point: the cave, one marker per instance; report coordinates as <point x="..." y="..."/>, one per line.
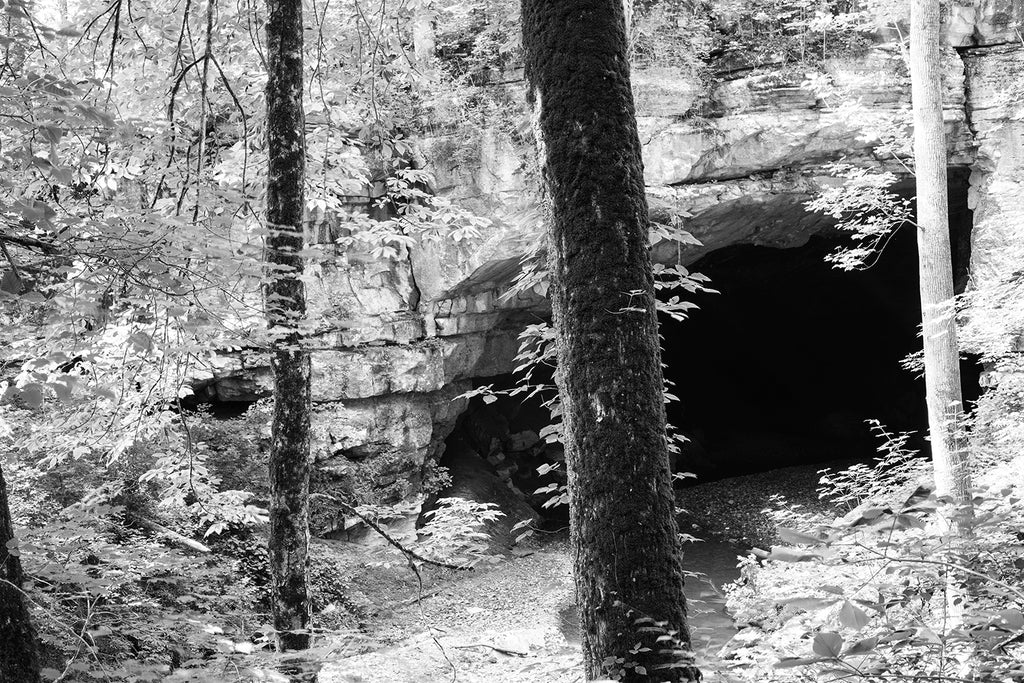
<point x="786" y="364"/>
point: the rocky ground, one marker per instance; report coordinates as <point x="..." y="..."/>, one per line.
<point x="515" y="621"/>
<point x="746" y="510"/>
<point x="510" y="622"/>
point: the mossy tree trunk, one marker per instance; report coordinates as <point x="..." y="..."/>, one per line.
<point x="286" y="308"/>
<point x="941" y="350"/>
<point x="19" y="654"/>
<point x="625" y="544"/>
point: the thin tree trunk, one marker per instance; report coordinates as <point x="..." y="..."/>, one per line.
<point x="626" y="556"/>
<point x="286" y="307"/>
<point x="941" y="351"/>
<point x="19" y="654"/>
<point x="424" y="39"/>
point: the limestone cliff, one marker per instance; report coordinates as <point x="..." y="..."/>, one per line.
<point x="732" y="158"/>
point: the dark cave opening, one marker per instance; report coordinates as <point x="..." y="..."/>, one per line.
<point x="499" y="445"/>
<point x="784" y="366"/>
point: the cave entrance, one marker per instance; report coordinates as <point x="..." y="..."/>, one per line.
<point x="781" y="368"/>
<point x="784" y="366"/>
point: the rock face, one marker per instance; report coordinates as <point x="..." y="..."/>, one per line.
<point x="403" y="338"/>
<point x="996" y="76"/>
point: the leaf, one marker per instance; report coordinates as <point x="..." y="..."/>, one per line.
<point x="837" y="674"/>
<point x="794" y="537"/>
<point x="827" y="644"/>
<point x="32" y="394"/>
<point x="522" y="523"/>
<point x="873" y="513"/>
<point x="862" y="647"/>
<point x="898" y="636"/>
<point x="791" y="662"/>
<point x="63" y="387"/>
<point x="103" y="392"/>
<point x="141" y="341"/>
<point x="784" y="554"/>
<point x="909" y="522"/>
<point x="489" y="398"/>
<point x="809" y="604"/>
<point x="1011" y="619"/>
<point x="852" y="616"/>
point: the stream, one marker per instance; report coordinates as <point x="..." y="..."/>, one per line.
<point x="709" y="566"/>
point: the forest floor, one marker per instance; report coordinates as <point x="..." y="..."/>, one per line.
<point x="515" y="621"/>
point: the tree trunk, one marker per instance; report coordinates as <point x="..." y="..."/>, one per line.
<point x="286" y="307"/>
<point x="941" y="351"/>
<point x="626" y="556"/>
<point x="424" y="39"/>
<point x="19" y="656"/>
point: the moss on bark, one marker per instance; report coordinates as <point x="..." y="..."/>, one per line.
<point x="19" y="654"/>
<point x="626" y="549"/>
<point x="286" y="307"/>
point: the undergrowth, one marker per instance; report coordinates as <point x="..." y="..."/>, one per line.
<point x="882" y="592"/>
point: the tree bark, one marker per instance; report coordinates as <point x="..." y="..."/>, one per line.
<point x="19" y="654"/>
<point x="626" y="555"/>
<point x="285" y="309"/>
<point x="941" y="350"/>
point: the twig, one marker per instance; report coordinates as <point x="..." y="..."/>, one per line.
<point x="420" y="597"/>
<point x="113" y="40"/>
<point x="409" y="553"/>
<point x="173" y="535"/>
<point x="493" y="647"/>
<point x="948" y="565"/>
<point x="31" y="243"/>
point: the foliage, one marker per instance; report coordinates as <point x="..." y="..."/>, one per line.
<point x="863" y="205"/>
<point x="130" y="224"/>
<point x="897" y="468"/>
<point x="656" y="40"/>
<point x="455" y="530"/>
<point x="800" y="31"/>
<point x="882" y="592"/>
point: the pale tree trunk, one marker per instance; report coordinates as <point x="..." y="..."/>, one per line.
<point x="286" y="308"/>
<point x="627" y="8"/>
<point x="19" y="654"/>
<point x="626" y="558"/>
<point x="423" y="35"/>
<point x="941" y="351"/>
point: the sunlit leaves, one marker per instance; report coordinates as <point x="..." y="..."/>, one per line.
<point x="863" y="205"/>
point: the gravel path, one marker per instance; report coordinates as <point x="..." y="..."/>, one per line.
<point x="736" y="510"/>
<point x="505" y="623"/>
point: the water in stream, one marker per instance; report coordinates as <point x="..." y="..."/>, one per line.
<point x="709" y="566"/>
